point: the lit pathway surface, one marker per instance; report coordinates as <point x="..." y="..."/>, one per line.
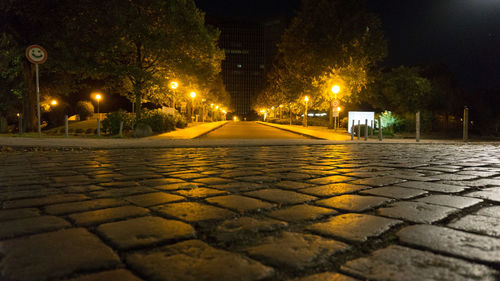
<point x="322" y="212"/>
<point x="250" y="130"/>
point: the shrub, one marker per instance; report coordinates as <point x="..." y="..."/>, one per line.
<point x="180" y="121"/>
<point x="161" y="122"/>
<point x="111" y="124"/>
<point x="84" y="109"/>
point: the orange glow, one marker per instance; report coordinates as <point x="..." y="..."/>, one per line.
<point x="53" y="102"/>
<point x="174" y="85"/>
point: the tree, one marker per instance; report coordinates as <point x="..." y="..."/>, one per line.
<point x="152" y="39"/>
<point x="331" y="41"/>
<point x="401" y="90"/>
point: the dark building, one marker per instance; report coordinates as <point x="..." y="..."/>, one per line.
<point x="250" y="47"/>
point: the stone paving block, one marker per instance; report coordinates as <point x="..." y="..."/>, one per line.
<point x="416" y="212"/>
<point x="12" y="195"/>
<point x="193" y="212"/>
<point x="395" y="192"/>
<point x="245" y="227"/>
<point x="13" y="214"/>
<point x="490" y="211"/>
<point x="258" y="179"/>
<point x="81" y="206"/>
<point x="240" y="186"/>
<point x="200" y="192"/>
<point x="195" y="260"/>
<point x="458" y="202"/>
<point x="54" y="255"/>
<point x="325" y="276"/>
<point x="296" y="250"/>
<point x="107" y="215"/>
<point x="293" y="184"/>
<point x="213" y="181"/>
<point x="333" y="189"/>
<point x="240" y="203"/>
<point x="396" y="263"/>
<point x="491" y="193"/>
<point x="119" y="192"/>
<point x="144" y="231"/>
<point x="353" y="203"/>
<point x="119" y="184"/>
<point x="187" y="176"/>
<point x="13" y="228"/>
<point x="433" y="186"/>
<point x="112" y="275"/>
<point x="153" y="198"/>
<point x="41" y="201"/>
<point x="301" y="213"/>
<point x="295" y="176"/>
<point x="72" y="180"/>
<point x="240" y="173"/>
<point x="331" y="179"/>
<point x="81" y="188"/>
<point x="179" y="185"/>
<point x="479" y="224"/>
<point x="378" y="181"/>
<point x="452" y="242"/>
<point x="160" y="181"/>
<point x="281" y="196"/>
<point x="455" y="177"/>
<point x="354" y="227"/>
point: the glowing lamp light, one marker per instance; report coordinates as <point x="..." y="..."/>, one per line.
<point x="339" y="109"/>
<point x="336" y="89"/>
<point x="306" y="98"/>
<point x="98" y="97"/>
<point x="174" y="85"/>
<point x="53" y="102"/>
<point x="193" y="95"/>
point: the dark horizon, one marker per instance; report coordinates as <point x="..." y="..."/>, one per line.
<point x="459" y="34"/>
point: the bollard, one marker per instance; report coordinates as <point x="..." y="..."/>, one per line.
<point x="66" y="125"/>
<point x="366" y="129"/>
<point x="417" y="125"/>
<point x="352" y="130"/>
<point x="98" y="126"/>
<point x="359" y="129"/>
<point x="466" y="124"/>
<point x="121" y="129"/>
<point x="379" y="128"/>
<point x="371" y="128"/>
<point x="20" y="124"/>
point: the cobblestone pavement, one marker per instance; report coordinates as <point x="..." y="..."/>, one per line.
<point x="338" y="212"/>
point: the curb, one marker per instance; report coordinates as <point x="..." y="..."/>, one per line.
<point x="211" y="130"/>
<point x="290" y="130"/>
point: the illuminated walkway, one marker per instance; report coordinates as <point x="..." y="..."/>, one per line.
<point x="311" y="212"/>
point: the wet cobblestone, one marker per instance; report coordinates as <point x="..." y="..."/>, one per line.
<point x="338" y="212"/>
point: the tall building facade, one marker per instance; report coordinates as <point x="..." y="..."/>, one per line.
<point x="250" y="47"/>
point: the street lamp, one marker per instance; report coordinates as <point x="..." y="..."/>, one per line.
<point x="334" y="103"/>
<point x="193" y="95"/>
<point x="306" y="99"/>
<point x="53" y="102"/>
<point x="98" y="97"/>
<point x="174" y="85"/>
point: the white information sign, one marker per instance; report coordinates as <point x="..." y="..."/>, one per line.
<point x="360" y="116"/>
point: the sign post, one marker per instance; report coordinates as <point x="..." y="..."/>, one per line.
<point x="37" y="55"/>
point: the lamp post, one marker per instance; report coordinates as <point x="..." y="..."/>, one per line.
<point x="306" y="99"/>
<point x="333" y="104"/>
<point x="174" y="86"/>
<point x="193" y="95"/>
<point x="98" y="97"/>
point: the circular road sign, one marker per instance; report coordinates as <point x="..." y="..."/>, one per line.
<point x="335" y="103"/>
<point x="36" y="54"/>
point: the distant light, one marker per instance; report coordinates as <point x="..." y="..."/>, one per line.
<point x="335" y="89"/>
<point x="53" y="102"/>
<point x="18" y="115"/>
<point x="217" y="107"/>
<point x="98" y="97"/>
<point x="193" y="95"/>
<point x="339" y="109"/>
<point x="235" y="118"/>
<point x="306" y="98"/>
<point x="174" y="85"/>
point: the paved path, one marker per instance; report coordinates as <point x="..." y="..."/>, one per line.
<point x="333" y="212"/>
<point x="250" y="130"/>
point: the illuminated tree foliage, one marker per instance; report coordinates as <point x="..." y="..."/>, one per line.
<point x="132" y="47"/>
<point x="328" y="42"/>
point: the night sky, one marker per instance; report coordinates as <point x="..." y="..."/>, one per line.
<point x="462" y="34"/>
